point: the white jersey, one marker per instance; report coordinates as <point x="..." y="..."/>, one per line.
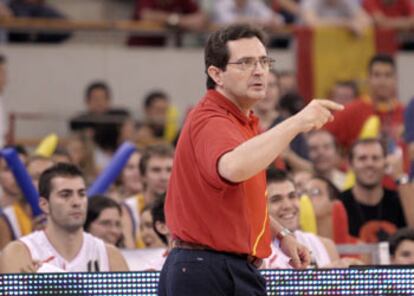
<point x="319" y="254"/>
<point x="91" y="257"/>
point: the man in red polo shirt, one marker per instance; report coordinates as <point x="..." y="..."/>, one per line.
<point x="216" y="200"/>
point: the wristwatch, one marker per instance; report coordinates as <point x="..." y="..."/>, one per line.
<point x="283" y="233"/>
<point x="402" y="180"/>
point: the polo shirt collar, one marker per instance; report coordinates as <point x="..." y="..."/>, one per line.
<point x="229" y="106"/>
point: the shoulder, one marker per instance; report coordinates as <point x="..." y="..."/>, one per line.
<point x="14" y="255"/>
<point x="16" y="248"/>
<point x="116" y="260"/>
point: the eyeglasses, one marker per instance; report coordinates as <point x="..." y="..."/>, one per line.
<point x="313" y="192"/>
<point x="249" y="63"/>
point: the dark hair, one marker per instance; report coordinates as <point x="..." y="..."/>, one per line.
<point x="57" y="170"/>
<point x="216" y="52"/>
<point x="97" y="85"/>
<point x="397" y="238"/>
<point x="365" y="142"/>
<point x="333" y="191"/>
<point x="96" y="204"/>
<point x="153" y="96"/>
<point x="274" y="175"/>
<point x="381" y="58"/>
<point x="160" y="150"/>
<point x="291" y="102"/>
<point x="157" y="213"/>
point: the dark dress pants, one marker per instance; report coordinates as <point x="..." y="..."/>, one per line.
<point x="209" y="273"/>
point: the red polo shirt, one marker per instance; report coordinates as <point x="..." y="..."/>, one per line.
<point x="203" y="208"/>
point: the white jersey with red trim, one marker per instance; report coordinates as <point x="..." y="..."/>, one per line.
<point x="91" y="257"/>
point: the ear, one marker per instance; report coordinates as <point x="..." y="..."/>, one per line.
<point x="44" y="205"/>
<point x="215" y="74"/>
<point x="162" y="228"/>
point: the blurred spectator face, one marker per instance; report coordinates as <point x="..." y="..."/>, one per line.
<point x="157" y="112"/>
<point x="272" y="95"/>
<point x="287" y="83"/>
<point x="98" y="101"/>
<point x="300" y="178"/>
<point x="158" y="174"/>
<point x="107" y="226"/>
<point x="343" y="94"/>
<point x="127" y="131"/>
<point x="148" y="235"/>
<point x="284" y="204"/>
<point x="368" y="164"/>
<point x="317" y="190"/>
<point x="322" y="151"/>
<point x="36" y="167"/>
<point x="382" y="81"/>
<point x="76" y="150"/>
<point x="404" y="254"/>
<point x="131" y="179"/>
<point x="7" y="181"/>
<point x="67" y="204"/>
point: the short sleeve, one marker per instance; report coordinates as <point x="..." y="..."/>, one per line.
<point x="211" y="141"/>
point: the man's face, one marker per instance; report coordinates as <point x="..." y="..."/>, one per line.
<point x="404" y="254"/>
<point x="98" y="101"/>
<point x="271" y="99"/>
<point x="382" y="81"/>
<point x="317" y="190"/>
<point x="36" y="167"/>
<point x="322" y="151"/>
<point x="284" y="204"/>
<point x="158" y="174"/>
<point x="245" y="86"/>
<point x="67" y="204"/>
<point x="343" y="94"/>
<point x="157" y="112"/>
<point x="368" y="164"/>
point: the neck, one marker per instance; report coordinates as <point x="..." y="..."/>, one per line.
<point x="325" y="227"/>
<point x="368" y="196"/>
<point x="67" y="244"/>
<point x="149" y="196"/>
<point x="242" y="103"/>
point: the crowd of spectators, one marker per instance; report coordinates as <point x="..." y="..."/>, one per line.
<point x="200" y="15"/>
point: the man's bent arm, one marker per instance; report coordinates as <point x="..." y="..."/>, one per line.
<point x="256" y="154"/>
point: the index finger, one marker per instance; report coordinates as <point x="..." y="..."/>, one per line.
<point x="305" y="258"/>
<point x="330" y="105"/>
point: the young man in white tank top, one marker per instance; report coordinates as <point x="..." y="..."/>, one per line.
<point x="284" y="207"/>
<point x="63" y="245"/>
